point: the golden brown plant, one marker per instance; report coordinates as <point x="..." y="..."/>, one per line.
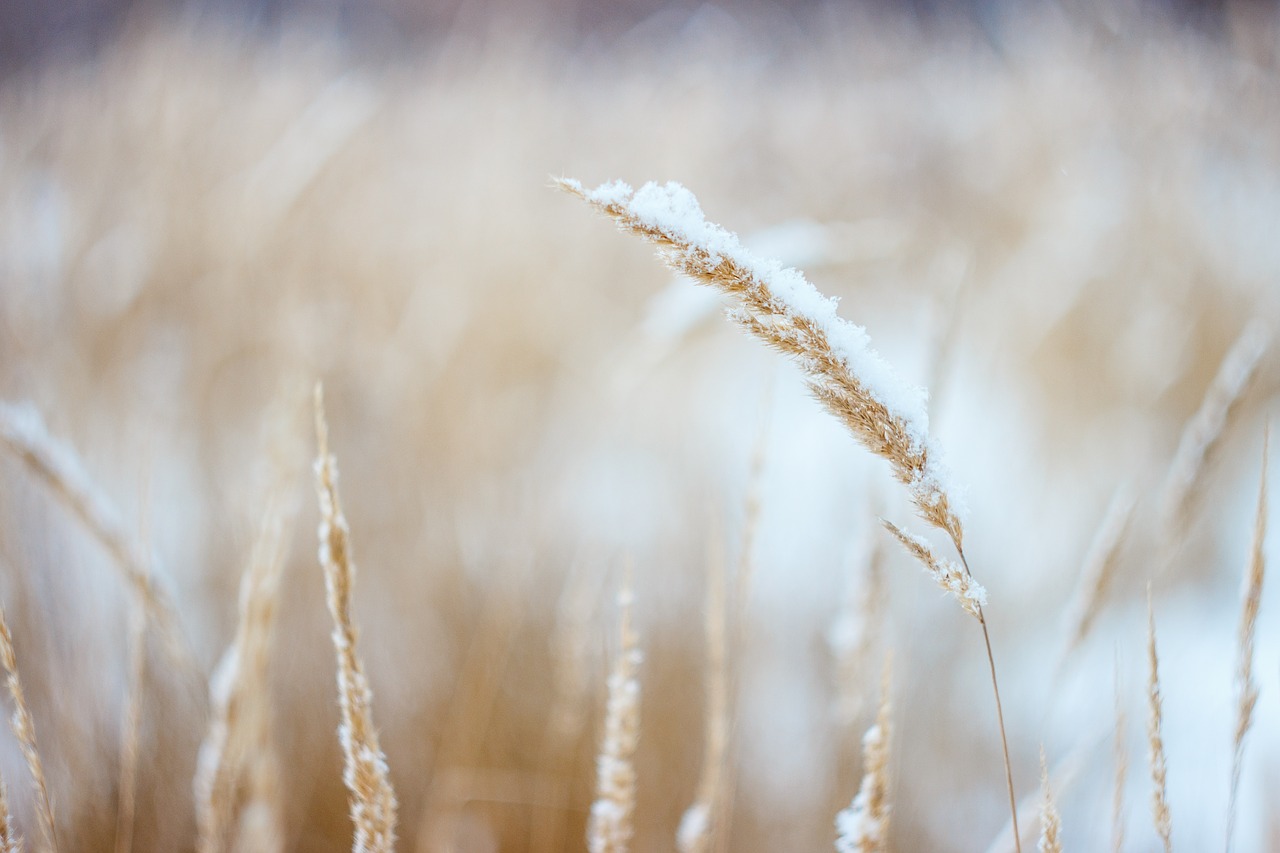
<point x="1050" y="822"/>
<point x="785" y="311"/>
<point x="1099" y="568"/>
<point x="1203" y="431"/>
<point x="1121" y="756"/>
<point x="699" y="824"/>
<point x="948" y="575"/>
<point x="1155" y="738"/>
<point x="612" y="821"/>
<point x="23" y="431"/>
<point x="1251" y="595"/>
<point x="779" y="307"/>
<point x="372" y="801"/>
<point x="864" y="826"/>
<point x="24" y="729"/>
<point x="131" y="725"/>
<point x="236" y="783"/>
<point x="9" y="840"/>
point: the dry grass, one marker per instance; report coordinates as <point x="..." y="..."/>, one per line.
<point x="612" y="823"/>
<point x="373" y="802"/>
<point x="1058" y="218"/>
<point x="1050" y="821"/>
<point x="864" y="826"/>
<point x="1251" y="600"/>
<point x="1160" y="812"/>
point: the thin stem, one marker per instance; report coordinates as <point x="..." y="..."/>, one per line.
<point x="1004" y="741"/>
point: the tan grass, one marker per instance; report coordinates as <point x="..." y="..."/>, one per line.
<point x="1155" y="739"/>
<point x="785" y="312"/>
<point x="24" y="729"/>
<point x="698" y="827"/>
<point x="131" y="726"/>
<point x="949" y="575"/>
<point x="1203" y="432"/>
<point x="1050" y="822"/>
<point x="10" y="842"/>
<point x="23" y="432"/>
<point x="864" y="826"/>
<point x="236" y="784"/>
<point x="372" y="799"/>
<point x="858" y="628"/>
<point x="1251" y="600"/>
<point x="612" y="821"/>
<point x="1121" y="758"/>
<point x="1098" y="571"/>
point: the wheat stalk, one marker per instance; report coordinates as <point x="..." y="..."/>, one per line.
<point x="1050" y="822"/>
<point x="236" y="767"/>
<point x="1121" y="755"/>
<point x="1204" y="430"/>
<point x="949" y="575"/>
<point x="698" y="825"/>
<point x="1100" y="564"/>
<point x="131" y="726"/>
<point x="611" y="825"/>
<point x="23" y="431"/>
<point x="1155" y="740"/>
<point x="1251" y="596"/>
<point x="782" y="309"/>
<point x="373" y="802"/>
<point x="864" y="826"/>
<point x="24" y="729"/>
<point x="10" y="842"/>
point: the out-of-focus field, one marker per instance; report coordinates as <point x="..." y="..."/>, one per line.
<point x="1060" y="223"/>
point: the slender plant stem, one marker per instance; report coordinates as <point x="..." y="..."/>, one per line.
<point x="1004" y="741"/>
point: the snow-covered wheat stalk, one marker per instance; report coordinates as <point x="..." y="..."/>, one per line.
<point x="948" y="574"/>
<point x="373" y="802"/>
<point x="784" y="310"/>
<point x="611" y="825"/>
<point x="864" y="826"/>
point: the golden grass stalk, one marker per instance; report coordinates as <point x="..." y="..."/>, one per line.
<point x="131" y="726"/>
<point x="948" y="574"/>
<point x="782" y="309"/>
<point x="1204" y="430"/>
<point x="10" y="842"/>
<point x="1155" y="741"/>
<point x="23" y="431"/>
<point x="1099" y="569"/>
<point x="864" y="826"/>
<point x="1251" y="600"/>
<point x="1121" y="755"/>
<point x="698" y="826"/>
<point x="611" y="825"/>
<point x="235" y="785"/>
<point x="373" y="802"/>
<point x="24" y="729"/>
<point x="1050" y="822"/>
<point x="857" y="629"/>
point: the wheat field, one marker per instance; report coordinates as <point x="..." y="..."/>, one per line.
<point x="594" y="568"/>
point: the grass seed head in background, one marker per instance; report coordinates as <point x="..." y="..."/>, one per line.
<point x="25" y="731"/>
<point x="1155" y="738"/>
<point x="612" y="822"/>
<point x="1050" y="822"/>
<point x="864" y="826"/>
<point x="366" y="775"/>
<point x="1251" y="595"/>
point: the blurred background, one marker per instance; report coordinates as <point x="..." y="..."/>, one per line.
<point x="1059" y="217"/>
